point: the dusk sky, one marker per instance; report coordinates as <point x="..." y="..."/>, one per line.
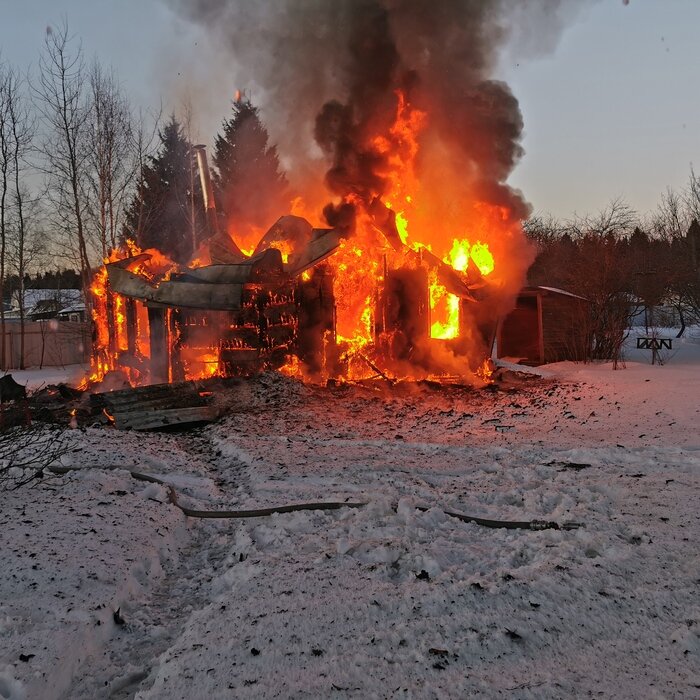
<point x="613" y="110"/>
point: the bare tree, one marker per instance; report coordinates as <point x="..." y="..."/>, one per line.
<point x="27" y="451"/>
<point x="27" y="249"/>
<point x="543" y="229"/>
<point x="144" y="143"/>
<point x="111" y="141"/>
<point x="692" y="195"/>
<point x="16" y="134"/>
<point x="589" y="255"/>
<point x="671" y="219"/>
<point x="676" y="222"/>
<point x="22" y="130"/>
<point x="615" y="220"/>
<point x="63" y="103"/>
<point x="5" y="184"/>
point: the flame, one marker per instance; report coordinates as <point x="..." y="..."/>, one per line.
<point x="109" y="315"/>
<point x="285" y="248"/>
<point x="482" y="258"/>
<point x="445" y="306"/>
<point x="200" y="365"/>
<point x="485" y="371"/>
<point x="430" y="213"/>
<point x="355" y="291"/>
<point x="361" y="262"/>
<point x="292" y="367"/>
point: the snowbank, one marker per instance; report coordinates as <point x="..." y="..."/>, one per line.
<point x="36" y="378"/>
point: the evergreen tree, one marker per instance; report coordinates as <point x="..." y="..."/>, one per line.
<point x="167" y="211"/>
<point x="250" y="190"/>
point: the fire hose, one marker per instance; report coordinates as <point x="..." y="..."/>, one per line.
<point x="322" y="505"/>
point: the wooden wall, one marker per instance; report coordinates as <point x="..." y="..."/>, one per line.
<point x="544" y="327"/>
<point x="563" y="327"/>
<point x="519" y="335"/>
<point x="49" y="343"/>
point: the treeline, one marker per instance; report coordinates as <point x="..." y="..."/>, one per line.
<point x="622" y="262"/>
<point x="166" y="210"/>
<point x="56" y="279"/>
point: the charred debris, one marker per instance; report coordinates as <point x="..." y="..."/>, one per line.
<point x="187" y="404"/>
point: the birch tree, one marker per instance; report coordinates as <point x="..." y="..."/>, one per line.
<point x="21" y="129"/>
<point x="111" y="155"/>
<point x="62" y="99"/>
<point x="5" y="183"/>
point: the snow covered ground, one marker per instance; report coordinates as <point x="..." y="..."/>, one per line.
<point x="385" y="600"/>
<point x="36" y="378"/>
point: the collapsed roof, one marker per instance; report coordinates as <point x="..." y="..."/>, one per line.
<point x="219" y="286"/>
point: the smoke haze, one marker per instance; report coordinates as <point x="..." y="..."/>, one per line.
<point x="294" y="56"/>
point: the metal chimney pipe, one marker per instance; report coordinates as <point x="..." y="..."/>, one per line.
<point x="207" y="189"/>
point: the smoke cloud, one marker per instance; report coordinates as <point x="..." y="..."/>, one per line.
<point x="324" y="74"/>
<point x="330" y="78"/>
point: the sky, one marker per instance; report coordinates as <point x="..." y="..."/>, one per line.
<point x="612" y="111"/>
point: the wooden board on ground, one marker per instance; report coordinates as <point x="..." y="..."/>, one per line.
<point x="158" y="406"/>
<point x="165" y="418"/>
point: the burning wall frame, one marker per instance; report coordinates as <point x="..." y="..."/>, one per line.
<point x="240" y="317"/>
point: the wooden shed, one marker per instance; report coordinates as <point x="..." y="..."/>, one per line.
<point x="547" y="325"/>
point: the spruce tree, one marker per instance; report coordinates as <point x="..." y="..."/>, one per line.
<point x="161" y="214"/>
<point x="251" y="191"/>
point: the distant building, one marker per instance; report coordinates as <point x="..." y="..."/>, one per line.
<point x="42" y="304"/>
<point x="74" y="313"/>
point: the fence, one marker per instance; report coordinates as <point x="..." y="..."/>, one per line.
<point x="47" y="344"/>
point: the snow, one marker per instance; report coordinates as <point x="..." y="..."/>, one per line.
<point x="36" y="378"/>
<point x="387" y="600"/>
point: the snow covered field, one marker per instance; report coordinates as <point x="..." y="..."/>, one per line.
<point x="385" y="600"/>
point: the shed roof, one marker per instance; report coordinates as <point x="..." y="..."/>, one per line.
<point x="553" y="290"/>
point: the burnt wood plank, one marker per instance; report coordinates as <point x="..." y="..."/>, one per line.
<point x="152" y="420"/>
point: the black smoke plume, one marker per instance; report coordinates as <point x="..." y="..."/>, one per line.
<point x="330" y="68"/>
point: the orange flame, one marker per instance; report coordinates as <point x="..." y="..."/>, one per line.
<point x="359" y="265"/>
<point x="445" y="306"/>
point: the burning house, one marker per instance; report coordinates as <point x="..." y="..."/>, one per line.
<point x="159" y="322"/>
<point x="405" y="272"/>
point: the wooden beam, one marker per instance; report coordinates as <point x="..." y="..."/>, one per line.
<point x="111" y="322"/>
<point x="177" y="369"/>
<point x="323" y="245"/>
<point x="159" y="345"/>
<point x="189" y="295"/>
<point x="540" y="327"/>
<point x="130" y="309"/>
